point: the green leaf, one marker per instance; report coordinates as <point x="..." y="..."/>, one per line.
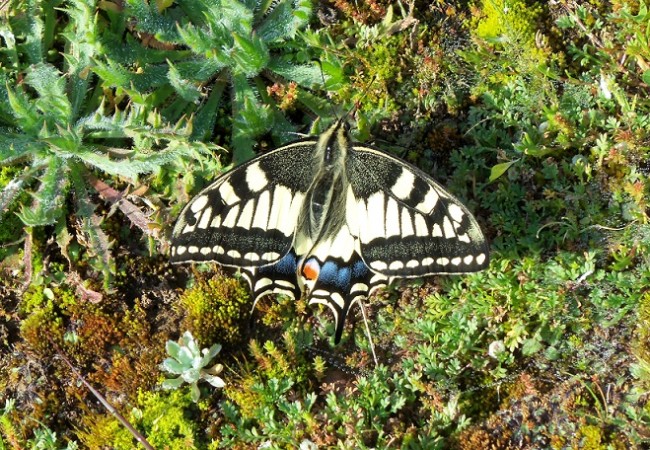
<point x="646" y="77"/>
<point x="173" y="349"/>
<point x="48" y="205"/>
<point x="531" y="346"/>
<point x="172" y="383"/>
<point x="173" y="366"/>
<point x="49" y="83"/>
<point x="185" y="88"/>
<point x="195" y="393"/>
<point x="250" y="55"/>
<point x="306" y="75"/>
<point x="284" y="20"/>
<point x="24" y="110"/>
<point x="500" y="169"/>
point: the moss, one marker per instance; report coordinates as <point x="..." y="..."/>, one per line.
<point x="591" y="437"/>
<point x="162" y="417"/>
<point x="216" y="310"/>
<point x="42" y="327"/>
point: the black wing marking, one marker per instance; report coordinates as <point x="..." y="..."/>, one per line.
<point x="248" y="216"/>
<point x="407" y="224"/>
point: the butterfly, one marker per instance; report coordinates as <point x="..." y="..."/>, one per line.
<point x="331" y="219"/>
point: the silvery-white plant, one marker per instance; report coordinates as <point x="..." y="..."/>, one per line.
<point x="191" y="364"/>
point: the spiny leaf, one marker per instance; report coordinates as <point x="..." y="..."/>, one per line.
<point x="50" y="86"/>
<point x="250" y="54"/>
<point x="48" y="201"/>
<point x="185" y="88"/>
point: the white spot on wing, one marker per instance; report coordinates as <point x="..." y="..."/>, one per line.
<point x="442" y="261"/>
<point x="404" y="184"/>
<point x="464" y="238"/>
<point x="192" y="249"/>
<point x="262" y="283"/>
<point x="205" y="218"/>
<point x="228" y="193"/>
<point x="448" y="228"/>
<point x="456" y="261"/>
<point x="396" y="265"/>
<point x="270" y="256"/>
<point x="188" y="228"/>
<point x="412" y="263"/>
<point x="359" y="287"/>
<point x="246" y="216"/>
<point x="255" y="177"/>
<point x="219" y="250"/>
<point x="262" y="211"/>
<point x="375" y="218"/>
<point x="337" y="298"/>
<point x="206" y="250"/>
<point x="234" y="254"/>
<point x="231" y="218"/>
<point x="355" y="214"/>
<point x="407" y="223"/>
<point x="216" y="221"/>
<point x="480" y="259"/>
<point x="427" y="261"/>
<point x="428" y="202"/>
<point x="468" y="259"/>
<point x="378" y="265"/>
<point x="285" y="283"/>
<point x="392" y="218"/>
<point x="456" y="213"/>
<point x="180" y="250"/>
<point x="199" y="203"/>
<point x="279" y="217"/>
<point x="421" y="228"/>
<point x="252" y="256"/>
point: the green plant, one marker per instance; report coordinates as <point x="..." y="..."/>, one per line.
<point x="253" y="47"/>
<point x="63" y="147"/>
<point x="191" y="364"/>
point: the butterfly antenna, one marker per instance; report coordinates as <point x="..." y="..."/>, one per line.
<point x="365" y="322"/>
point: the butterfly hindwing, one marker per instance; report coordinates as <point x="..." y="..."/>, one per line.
<point x="247" y="217"/>
<point x="277" y="278"/>
<point x="337" y="277"/>
<point x="406" y="223"/>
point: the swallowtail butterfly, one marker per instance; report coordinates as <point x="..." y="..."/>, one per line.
<point x="330" y="218"/>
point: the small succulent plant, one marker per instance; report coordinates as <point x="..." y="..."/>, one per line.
<point x="191" y="364"/>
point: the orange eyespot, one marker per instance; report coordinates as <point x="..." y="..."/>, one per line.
<point x="310" y="270"/>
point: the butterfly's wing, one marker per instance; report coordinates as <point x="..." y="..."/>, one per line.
<point x="247" y="219"/>
<point x="337" y="277"/>
<point x="406" y="224"/>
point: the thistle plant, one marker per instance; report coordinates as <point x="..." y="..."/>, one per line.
<point x="254" y="47"/>
<point x="58" y="147"/>
<point x="191" y="364"/>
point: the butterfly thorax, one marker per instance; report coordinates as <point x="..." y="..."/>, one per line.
<point x="321" y="217"/>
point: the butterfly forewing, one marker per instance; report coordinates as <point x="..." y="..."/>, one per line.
<point x="407" y="224"/>
<point x="247" y="217"/>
